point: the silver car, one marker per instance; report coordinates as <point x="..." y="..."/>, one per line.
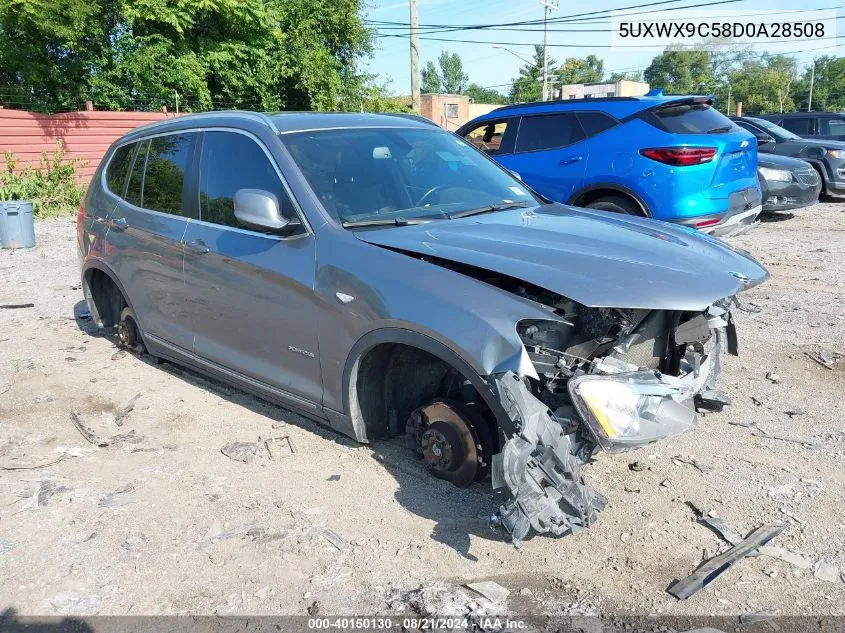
<point x="384" y="277"/>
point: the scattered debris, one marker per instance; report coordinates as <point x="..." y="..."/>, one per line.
<point x="279" y="447"/>
<point x="742" y="423"/>
<point x="822" y="357"/>
<point x="6" y="545"/>
<point x="795" y="412"/>
<point x="756" y="401"/>
<point x="761" y="432"/>
<point x="786" y="556"/>
<point x="813" y="482"/>
<point x="71" y="603"/>
<point x="314" y="608"/>
<point x="678" y="460"/>
<point x="722" y="528"/>
<point x="773" y="377"/>
<point x="494" y="592"/>
<point x="665" y="483"/>
<point x="336" y="539"/>
<point x="116" y="499"/>
<point x="4" y="389"/>
<point x="35" y="466"/>
<point x="637" y="466"/>
<point x="827" y="572"/>
<point x="127" y="438"/>
<point x="46" y="490"/>
<point x="118" y="355"/>
<point x="130" y="406"/>
<point x="16" y="306"/>
<point x="714" y="567"/>
<point x="760" y="616"/>
<point x="333" y="478"/>
<point x="240" y="451"/>
<point x="86" y="432"/>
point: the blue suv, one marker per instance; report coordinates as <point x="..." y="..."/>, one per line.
<point x="668" y="158"/>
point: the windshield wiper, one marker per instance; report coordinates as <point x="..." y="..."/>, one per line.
<point x="490" y="208"/>
<point x="385" y="222"/>
<point x="716" y="130"/>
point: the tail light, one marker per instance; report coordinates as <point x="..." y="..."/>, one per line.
<point x="680" y="156"/>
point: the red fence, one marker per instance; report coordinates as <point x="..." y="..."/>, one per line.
<point x="86" y="135"/>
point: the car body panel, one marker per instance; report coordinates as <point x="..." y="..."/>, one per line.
<point x="592" y="257"/>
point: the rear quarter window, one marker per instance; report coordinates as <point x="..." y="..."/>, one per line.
<point x="596" y="122"/>
<point x="691" y="118"/>
<point x="118" y="169"/>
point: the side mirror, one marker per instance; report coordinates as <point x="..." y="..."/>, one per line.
<point x="765" y="139"/>
<point x="259" y="209"/>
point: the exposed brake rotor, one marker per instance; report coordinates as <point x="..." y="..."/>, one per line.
<point x="453" y="439"/>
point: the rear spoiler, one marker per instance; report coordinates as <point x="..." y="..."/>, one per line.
<point x="687" y="100"/>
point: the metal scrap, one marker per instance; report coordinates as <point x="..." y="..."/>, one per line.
<point x="493" y="591"/>
<point x="721" y="527"/>
<point x="538" y="466"/>
<point x="86" y="432"/>
<point x="120" y="415"/>
<point x="279" y="447"/>
<point x="822" y="357"/>
<point x="714" y="567"/>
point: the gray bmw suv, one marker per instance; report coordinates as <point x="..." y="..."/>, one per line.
<point x="383" y="276"/>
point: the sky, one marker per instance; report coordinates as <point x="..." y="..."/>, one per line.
<point x="494" y="67"/>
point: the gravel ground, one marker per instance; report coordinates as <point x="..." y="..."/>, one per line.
<point x="158" y="521"/>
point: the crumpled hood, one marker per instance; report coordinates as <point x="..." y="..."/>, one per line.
<point x="596" y="258"/>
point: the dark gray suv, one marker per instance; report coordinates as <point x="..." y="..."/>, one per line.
<point x="383" y="276"/>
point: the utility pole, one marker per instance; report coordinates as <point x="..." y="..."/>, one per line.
<point x="728" y="109"/>
<point x="548" y="7"/>
<point x="176" y="94"/>
<point x="415" y="57"/>
<point x="812" y="81"/>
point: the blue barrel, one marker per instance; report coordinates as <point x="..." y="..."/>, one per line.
<point x="17" y="227"/>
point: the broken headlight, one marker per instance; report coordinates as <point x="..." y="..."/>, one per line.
<point x="626" y="411"/>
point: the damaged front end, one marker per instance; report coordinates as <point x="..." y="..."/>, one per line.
<point x="615" y="379"/>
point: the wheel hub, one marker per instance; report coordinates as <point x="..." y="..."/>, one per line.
<point x="446" y="438"/>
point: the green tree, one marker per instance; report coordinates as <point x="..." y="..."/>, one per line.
<point x="828" y="84"/>
<point x="430" y="79"/>
<point x="261" y="54"/>
<point x="452" y="73"/>
<point x="581" y="70"/>
<point x="629" y="76"/>
<point x="765" y="85"/>
<point x="529" y="85"/>
<point x="681" y="71"/>
<point x="485" y="95"/>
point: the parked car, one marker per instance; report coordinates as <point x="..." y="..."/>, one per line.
<point x="826" y="156"/>
<point x="380" y="275"/>
<point x="787" y="183"/>
<point x="829" y="125"/>
<point x="669" y="158"/>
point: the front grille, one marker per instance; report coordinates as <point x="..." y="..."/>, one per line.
<point x="808" y="176"/>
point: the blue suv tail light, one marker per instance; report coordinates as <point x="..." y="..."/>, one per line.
<point x="680" y="156"/>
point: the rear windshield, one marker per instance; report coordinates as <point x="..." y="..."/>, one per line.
<point x="692" y="118"/>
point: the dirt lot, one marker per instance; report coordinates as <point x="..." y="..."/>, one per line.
<point x="160" y="521"/>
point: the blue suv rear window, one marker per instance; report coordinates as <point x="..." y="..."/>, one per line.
<point x="692" y="118"/>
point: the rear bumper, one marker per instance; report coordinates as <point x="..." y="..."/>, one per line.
<point x="744" y="207"/>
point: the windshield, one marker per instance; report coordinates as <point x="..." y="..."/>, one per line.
<point x="780" y="133"/>
<point x="383" y="175"/>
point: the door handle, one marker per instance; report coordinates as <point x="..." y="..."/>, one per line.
<point x="570" y="160"/>
<point x="119" y="224"/>
<point x="197" y="246"/>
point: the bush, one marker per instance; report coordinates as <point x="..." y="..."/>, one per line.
<point x="51" y="185"/>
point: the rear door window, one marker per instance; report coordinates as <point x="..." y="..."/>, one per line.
<point x="800" y="125"/>
<point x="596" y="122"/>
<point x="831" y="126"/>
<point x="692" y="118"/>
<point x="135" y="189"/>
<point x="232" y="161"/>
<point x="164" y="178"/>
<point x="550" y="131"/>
<point x="118" y="169"/>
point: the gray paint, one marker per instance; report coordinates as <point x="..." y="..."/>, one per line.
<point x="263" y="311"/>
